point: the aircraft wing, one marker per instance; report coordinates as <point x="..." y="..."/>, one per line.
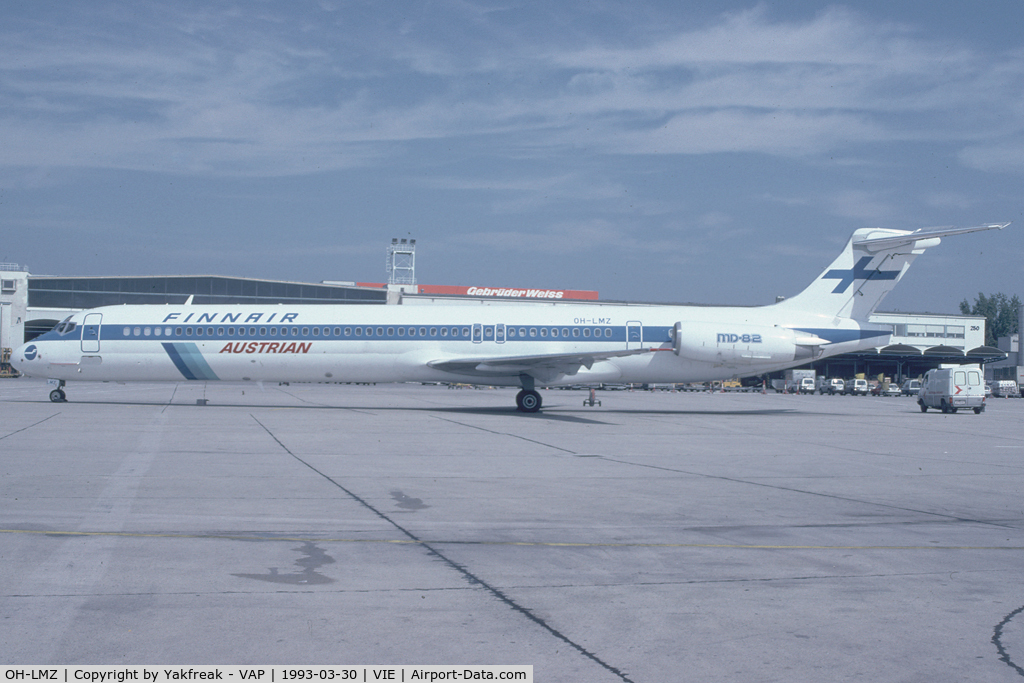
<point x="567" y="363"/>
<point x="893" y="242"/>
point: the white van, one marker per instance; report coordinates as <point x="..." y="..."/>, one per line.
<point x="950" y="389"/>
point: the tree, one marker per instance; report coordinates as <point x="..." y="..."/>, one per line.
<point x="999" y="311"/>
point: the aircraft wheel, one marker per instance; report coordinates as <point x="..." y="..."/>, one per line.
<point x="528" y="401"/>
<point x="58" y="396"/>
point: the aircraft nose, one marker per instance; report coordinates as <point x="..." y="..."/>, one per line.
<point x="23" y="356"/>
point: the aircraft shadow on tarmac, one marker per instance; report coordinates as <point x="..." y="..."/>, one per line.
<point x="553" y="413"/>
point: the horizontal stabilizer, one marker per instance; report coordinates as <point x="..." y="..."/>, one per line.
<point x="887" y="242"/>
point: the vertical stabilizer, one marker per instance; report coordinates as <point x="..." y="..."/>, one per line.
<point x="870" y="265"/>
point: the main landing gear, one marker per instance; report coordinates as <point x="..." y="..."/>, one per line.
<point x="527" y="400"/>
<point x="58" y="395"/>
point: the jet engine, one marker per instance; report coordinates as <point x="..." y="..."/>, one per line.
<point x="736" y="345"/>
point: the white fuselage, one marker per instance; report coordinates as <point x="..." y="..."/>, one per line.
<point x="378" y="343"/>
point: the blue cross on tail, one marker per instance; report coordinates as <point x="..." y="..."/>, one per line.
<point x="858" y="272"/>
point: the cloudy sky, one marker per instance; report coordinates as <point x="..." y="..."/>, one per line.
<point x="667" y="151"/>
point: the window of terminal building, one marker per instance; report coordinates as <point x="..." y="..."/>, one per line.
<point x="9" y="286"/>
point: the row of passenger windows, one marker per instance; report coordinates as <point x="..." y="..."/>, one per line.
<point x="456" y="332"/>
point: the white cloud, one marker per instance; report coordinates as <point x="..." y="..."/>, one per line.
<point x="230" y="94"/>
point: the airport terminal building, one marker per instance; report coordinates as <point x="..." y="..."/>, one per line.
<point x="31" y="305"/>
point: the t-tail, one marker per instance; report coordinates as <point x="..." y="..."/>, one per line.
<point x="873" y="261"/>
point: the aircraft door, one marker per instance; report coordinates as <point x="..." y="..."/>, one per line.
<point x="634" y="334"/>
<point x="91" y="333"/>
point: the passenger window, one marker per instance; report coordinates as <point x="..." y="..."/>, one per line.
<point x="295" y="332"/>
<point x="565" y="331"/>
<point x="444" y="331"/>
<point x="465" y="331"/>
<point x="263" y="332"/>
<point x="337" y="332"/>
<point x="305" y="331"/>
<point x="380" y="331"/>
<point x="188" y="331"/>
<point x="522" y="331"/>
<point x="423" y="332"/>
<point x="199" y="331"/>
<point x="433" y="331"/>
<point x="231" y="332"/>
<point x="543" y="331"/>
<point x="586" y="331"/>
<point x="511" y="332"/>
<point x="148" y="331"/>
<point x="220" y="331"/>
<point x="316" y="331"/>
<point x="576" y="331"/>
<point x="177" y="331"/>
<point x="401" y="331"/>
<point x="127" y="331"/>
<point x="533" y="331"/>
<point x="359" y="332"/>
<point x="348" y="331"/>
<point x="391" y="332"/>
<point x="157" y="331"/>
<point x="607" y="331"/>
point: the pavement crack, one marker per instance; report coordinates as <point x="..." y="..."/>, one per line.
<point x="34" y="424"/>
<point x="471" y="578"/>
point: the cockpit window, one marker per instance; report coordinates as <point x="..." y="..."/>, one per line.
<point x="65" y="326"/>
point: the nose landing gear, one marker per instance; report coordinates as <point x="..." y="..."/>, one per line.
<point x="58" y="395"/>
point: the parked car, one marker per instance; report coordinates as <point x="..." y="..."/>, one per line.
<point x="832" y="387"/>
<point x="854" y="387"/>
<point x="911" y="387"/>
<point x="886" y="389"/>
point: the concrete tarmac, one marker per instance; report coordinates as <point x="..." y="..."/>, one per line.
<point x="658" y="537"/>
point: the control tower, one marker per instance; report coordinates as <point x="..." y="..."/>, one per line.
<point x="401" y="262"/>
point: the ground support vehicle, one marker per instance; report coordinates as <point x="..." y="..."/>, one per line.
<point x="949" y="389"/>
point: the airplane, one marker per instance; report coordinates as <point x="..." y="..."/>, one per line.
<point x="503" y="343"/>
